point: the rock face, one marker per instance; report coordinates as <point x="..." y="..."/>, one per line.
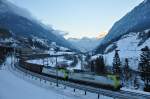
<point x="22" y="24"/>
<point x="135" y="21"/>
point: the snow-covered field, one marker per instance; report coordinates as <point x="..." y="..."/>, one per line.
<point x="16" y="85"/>
<point x="52" y="62"/>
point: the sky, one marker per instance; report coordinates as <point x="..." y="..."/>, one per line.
<point x="79" y="18"/>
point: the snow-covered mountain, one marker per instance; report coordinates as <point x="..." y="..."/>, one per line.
<point x="129" y="46"/>
<point x="135" y="21"/>
<point x="129" y="35"/>
<point x="22" y="25"/>
<point x="85" y="44"/>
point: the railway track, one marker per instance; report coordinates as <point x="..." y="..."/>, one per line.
<point x="114" y="94"/>
<point x="136" y="94"/>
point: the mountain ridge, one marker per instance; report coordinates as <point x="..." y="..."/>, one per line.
<point x="136" y="20"/>
<point x="25" y="26"/>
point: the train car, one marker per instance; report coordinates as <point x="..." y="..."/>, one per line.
<point x="110" y="82"/>
<point x="31" y="67"/>
<point x="54" y="72"/>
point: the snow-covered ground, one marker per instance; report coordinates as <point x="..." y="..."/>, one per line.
<point x="16" y="85"/>
<point x="50" y="61"/>
<point x="78" y="66"/>
<point x="62" y="52"/>
<point x="135" y="91"/>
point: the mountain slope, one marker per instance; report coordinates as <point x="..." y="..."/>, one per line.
<point x="21" y="24"/>
<point x="4" y="33"/>
<point x="129" y="35"/>
<point x="129" y="46"/>
<point x="135" y="21"/>
<point x="85" y="44"/>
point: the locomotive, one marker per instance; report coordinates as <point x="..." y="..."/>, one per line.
<point x="110" y="82"/>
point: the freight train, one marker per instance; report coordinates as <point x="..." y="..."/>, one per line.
<point x="111" y="82"/>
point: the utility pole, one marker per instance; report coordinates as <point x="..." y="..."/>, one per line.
<point x="14" y="55"/>
<point x="47" y="62"/>
<point x="82" y="68"/>
<point x="56" y="72"/>
<point x="11" y="59"/>
<point x="56" y="50"/>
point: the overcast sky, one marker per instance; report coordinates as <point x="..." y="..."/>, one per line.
<point x="79" y="18"/>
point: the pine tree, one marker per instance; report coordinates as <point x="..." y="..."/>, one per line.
<point x="99" y="65"/>
<point x="87" y="62"/>
<point x="127" y="70"/>
<point x="136" y="83"/>
<point x="116" y="63"/>
<point x="92" y="65"/>
<point x="144" y="67"/>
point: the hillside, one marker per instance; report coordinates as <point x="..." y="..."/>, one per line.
<point x="129" y="46"/>
<point x="137" y="20"/>
<point x="22" y="25"/>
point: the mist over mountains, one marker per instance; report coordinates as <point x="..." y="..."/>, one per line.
<point x="85" y="44"/>
<point x="22" y="24"/>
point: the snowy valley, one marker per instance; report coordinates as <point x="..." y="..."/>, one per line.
<point x="38" y="62"/>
